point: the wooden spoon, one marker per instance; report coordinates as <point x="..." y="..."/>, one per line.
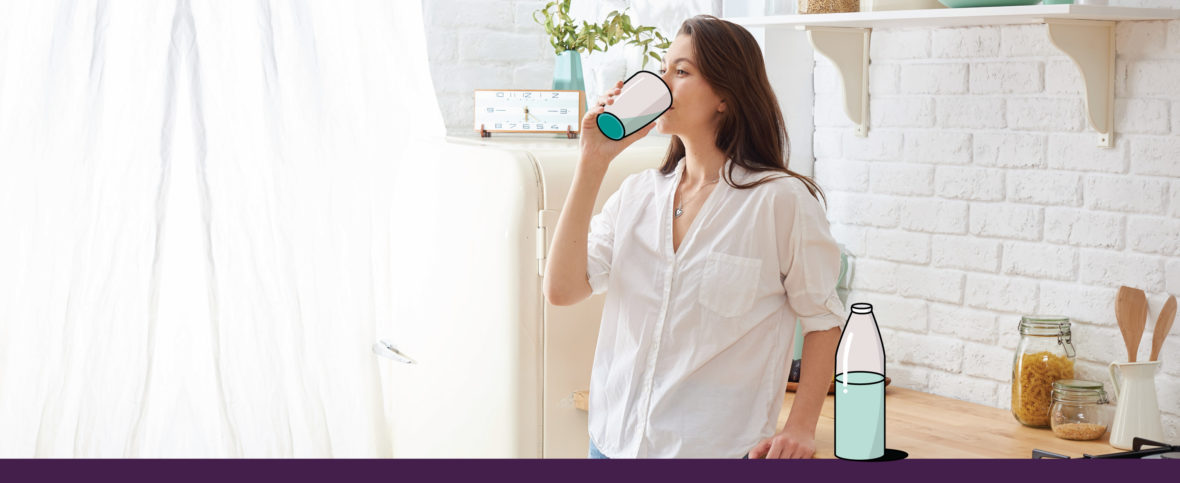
<point x="1162" y="326"/>
<point x="1130" y="308"/>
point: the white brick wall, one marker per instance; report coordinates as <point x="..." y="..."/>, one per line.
<point x="973" y="112"/>
<point x="1045" y="187"/>
<point x="933" y="78"/>
<point x="1115" y="269"/>
<point x="905" y="314"/>
<point x="1024" y="214"/>
<point x="934" y="215"/>
<point x="1084" y="228"/>
<point x="1141" y="116"/>
<point x="1034" y="114"/>
<point x="883" y="79"/>
<point x="1156" y="155"/>
<point x="930" y="284"/>
<point x="969" y="183"/>
<point x="1040" y="260"/>
<point x="967" y="42"/>
<point x="1005" y="77"/>
<point x="964" y="323"/>
<point x="1176" y="112"/>
<point x="1081" y="303"/>
<point x="937" y="147"/>
<point x="885" y="112"/>
<point x="843" y="175"/>
<point x="1008" y="150"/>
<point x="1143" y="78"/>
<point x="1002" y="293"/>
<point x="883" y="145"/>
<point x="476" y="44"/>
<point x="1153" y="234"/>
<point x="901" y="178"/>
<point x="1062" y="78"/>
<point x="863" y="210"/>
<point x="1007" y="221"/>
<point x="1075" y="152"/>
<point x="480" y="44"/>
<point x="1134" y="194"/>
<point x="1175" y="210"/>
<point x="944" y="354"/>
<point x="966" y="253"/>
<point x="899" y="246"/>
<point x="900" y="44"/>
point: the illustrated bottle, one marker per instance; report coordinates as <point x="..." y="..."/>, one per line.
<point x="860" y="387"/>
<point x="643" y="98"/>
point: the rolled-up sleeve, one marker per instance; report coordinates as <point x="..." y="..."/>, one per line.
<point x="600" y="244"/>
<point x="809" y="259"/>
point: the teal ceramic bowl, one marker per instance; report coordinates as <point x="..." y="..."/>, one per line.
<point x="986" y="3"/>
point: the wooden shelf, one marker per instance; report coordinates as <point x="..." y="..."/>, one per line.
<point x="1085" y="33"/>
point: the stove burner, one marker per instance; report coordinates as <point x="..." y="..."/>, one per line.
<point x="1159" y="451"/>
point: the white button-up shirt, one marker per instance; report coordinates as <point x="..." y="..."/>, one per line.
<point x="694" y="347"/>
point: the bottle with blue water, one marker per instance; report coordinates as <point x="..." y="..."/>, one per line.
<point x="860" y="388"/>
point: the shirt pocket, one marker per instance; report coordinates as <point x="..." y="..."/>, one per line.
<point x="729" y="283"/>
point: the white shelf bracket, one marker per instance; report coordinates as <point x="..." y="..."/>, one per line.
<point x="848" y="49"/>
<point x="1091" y="46"/>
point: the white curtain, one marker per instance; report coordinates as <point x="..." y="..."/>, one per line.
<point x="198" y="242"/>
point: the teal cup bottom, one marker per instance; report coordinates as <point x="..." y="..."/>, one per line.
<point x="610" y="125"/>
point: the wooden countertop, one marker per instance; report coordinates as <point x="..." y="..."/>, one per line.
<point x="929" y="426"/>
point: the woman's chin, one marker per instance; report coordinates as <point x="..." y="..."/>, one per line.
<point x="661" y="127"/>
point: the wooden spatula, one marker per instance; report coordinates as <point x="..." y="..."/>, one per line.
<point x="1162" y="326"/>
<point x="1130" y="308"/>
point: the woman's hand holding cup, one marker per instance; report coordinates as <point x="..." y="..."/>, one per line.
<point x="597" y="149"/>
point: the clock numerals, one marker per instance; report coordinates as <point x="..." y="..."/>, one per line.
<point x="528" y="111"/>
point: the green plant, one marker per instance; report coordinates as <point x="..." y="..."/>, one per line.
<point x="565" y="34"/>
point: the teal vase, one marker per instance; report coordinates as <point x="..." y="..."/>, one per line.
<point x="567" y="73"/>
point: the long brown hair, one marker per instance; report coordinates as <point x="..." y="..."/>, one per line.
<point x="751" y="131"/>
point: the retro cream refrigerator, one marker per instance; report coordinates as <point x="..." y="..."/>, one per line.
<point x="476" y="363"/>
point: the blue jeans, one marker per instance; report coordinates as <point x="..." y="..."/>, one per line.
<point x="597" y="455"/>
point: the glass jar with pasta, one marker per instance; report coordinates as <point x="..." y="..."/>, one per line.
<point x="1044" y="355"/>
<point x="828" y="6"/>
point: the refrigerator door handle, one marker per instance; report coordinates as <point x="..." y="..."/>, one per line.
<point x="385" y="348"/>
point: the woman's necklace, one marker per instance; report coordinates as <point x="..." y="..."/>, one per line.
<point x="680" y="210"/>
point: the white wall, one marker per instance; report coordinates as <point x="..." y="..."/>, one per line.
<point x="980" y="196"/>
<point x="481" y="44"/>
<point x="475" y="44"/>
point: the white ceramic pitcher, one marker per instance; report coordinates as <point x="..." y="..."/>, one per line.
<point x="1138" y="412"/>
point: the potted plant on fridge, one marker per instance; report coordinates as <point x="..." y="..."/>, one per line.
<point x="569" y="40"/>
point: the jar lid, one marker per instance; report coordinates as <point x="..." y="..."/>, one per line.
<point x="1077" y="384"/>
<point x="1079" y="390"/>
<point x="1044" y="324"/>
